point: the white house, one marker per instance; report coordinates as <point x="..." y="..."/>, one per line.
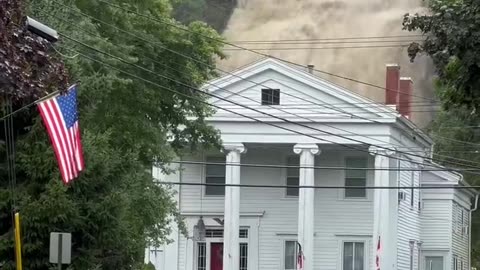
<point x="302" y="120"/>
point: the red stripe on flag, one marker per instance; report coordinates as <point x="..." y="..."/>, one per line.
<point x="64" y="136"/>
<point x="57" y="146"/>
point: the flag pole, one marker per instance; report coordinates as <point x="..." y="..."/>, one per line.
<point x="18" y="242"/>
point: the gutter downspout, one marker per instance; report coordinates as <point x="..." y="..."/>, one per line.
<point x="475" y="206"/>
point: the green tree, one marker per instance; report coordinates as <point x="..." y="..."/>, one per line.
<point x="114" y="208"/>
<point x="452" y="31"/>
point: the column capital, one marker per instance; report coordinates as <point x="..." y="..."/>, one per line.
<point x="384" y="151"/>
<point x="234" y="147"/>
<point x="311" y="147"/>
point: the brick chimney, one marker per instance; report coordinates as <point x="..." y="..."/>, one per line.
<point x="405" y="97"/>
<point x="392" y="84"/>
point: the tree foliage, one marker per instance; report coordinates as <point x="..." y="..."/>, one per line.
<point x="452" y="29"/>
<point x="26" y="70"/>
<point x="114" y="208"/>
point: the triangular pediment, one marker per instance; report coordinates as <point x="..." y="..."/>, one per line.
<point x="301" y="94"/>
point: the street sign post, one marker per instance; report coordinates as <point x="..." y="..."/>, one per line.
<point x="60" y="248"/>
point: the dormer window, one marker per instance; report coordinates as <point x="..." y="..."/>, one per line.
<point x="270" y="96"/>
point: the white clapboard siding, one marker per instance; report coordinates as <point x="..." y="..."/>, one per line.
<point x="408" y="219"/>
<point x="336" y="219"/>
<point x="436" y="224"/>
<point x="459" y="240"/>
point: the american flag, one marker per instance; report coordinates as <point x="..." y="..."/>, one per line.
<point x="60" y="117"/>
<point x="300" y="257"/>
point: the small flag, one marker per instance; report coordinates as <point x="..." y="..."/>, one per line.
<point x="300" y="257"/>
<point x="60" y="117"/>
<point x="377" y="257"/>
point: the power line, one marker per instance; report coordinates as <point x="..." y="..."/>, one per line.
<point x="328" y="42"/>
<point x="250" y="50"/>
<point x="330" y="38"/>
<point x="320" y="48"/>
<point x="315" y="187"/>
<point x="341" y="168"/>
<point x="147" y="41"/>
<point x="229" y="91"/>
<point x="183" y="55"/>
<point x="233" y="112"/>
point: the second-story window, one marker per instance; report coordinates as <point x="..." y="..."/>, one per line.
<point x="355" y="178"/>
<point x="270" y="96"/>
<point x="293" y="176"/>
<point x="215" y="174"/>
<point x="412" y="189"/>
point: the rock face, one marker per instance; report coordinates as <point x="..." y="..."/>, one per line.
<point x="320" y="27"/>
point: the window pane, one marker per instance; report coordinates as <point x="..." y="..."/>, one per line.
<point x="290" y="250"/>
<point x="243" y="256"/>
<point x="270" y="96"/>
<point x="201" y="256"/>
<point x="359" y="252"/>
<point x="433" y="263"/>
<point x="355" y="193"/>
<point x="215" y="190"/>
<point x="293" y="161"/>
<point x="215" y="170"/>
<point x="356" y="162"/>
<point x="292" y="181"/>
<point x="348" y="256"/>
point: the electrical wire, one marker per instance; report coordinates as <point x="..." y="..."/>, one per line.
<point x="236" y="113"/>
<point x="330" y="42"/>
<point x="255" y="110"/>
<point x="320" y="48"/>
<point x="316" y="186"/>
<point x="246" y="49"/>
<point x="330" y="38"/>
<point x="87" y="15"/>
<point x="341" y="168"/>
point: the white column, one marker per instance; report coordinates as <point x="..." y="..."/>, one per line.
<point x="231" y="250"/>
<point x="306" y="201"/>
<point x="383" y="212"/>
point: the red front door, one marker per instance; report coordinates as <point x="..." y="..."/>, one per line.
<point x="216" y="256"/>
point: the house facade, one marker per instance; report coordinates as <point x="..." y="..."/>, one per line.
<point x="284" y="128"/>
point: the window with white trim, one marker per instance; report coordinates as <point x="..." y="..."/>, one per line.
<point x="433" y="263"/>
<point x="270" y="96"/>
<point x="243" y="256"/>
<point x="215" y="174"/>
<point x="455" y="263"/>
<point x="293" y="176"/>
<point x="290" y="255"/>
<point x="353" y="256"/>
<point x="202" y="256"/>
<point x="412" y="189"/>
<point x="355" y="178"/>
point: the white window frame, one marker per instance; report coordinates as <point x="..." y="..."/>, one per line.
<point x="367" y="244"/>
<point x="412" y="189"/>
<point x="204" y="193"/>
<point x="365" y="251"/>
<point x="285" y="177"/>
<point x="430" y="253"/>
<point x="284" y="244"/>
<point x="209" y="241"/>
<point x="343" y="191"/>
<point x="455" y="262"/>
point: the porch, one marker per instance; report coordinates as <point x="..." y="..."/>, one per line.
<point x="328" y="224"/>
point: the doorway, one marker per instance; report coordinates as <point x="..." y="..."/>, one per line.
<point x="216" y="256"/>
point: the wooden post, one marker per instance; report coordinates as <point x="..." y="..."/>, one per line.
<point x="18" y="242"/>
